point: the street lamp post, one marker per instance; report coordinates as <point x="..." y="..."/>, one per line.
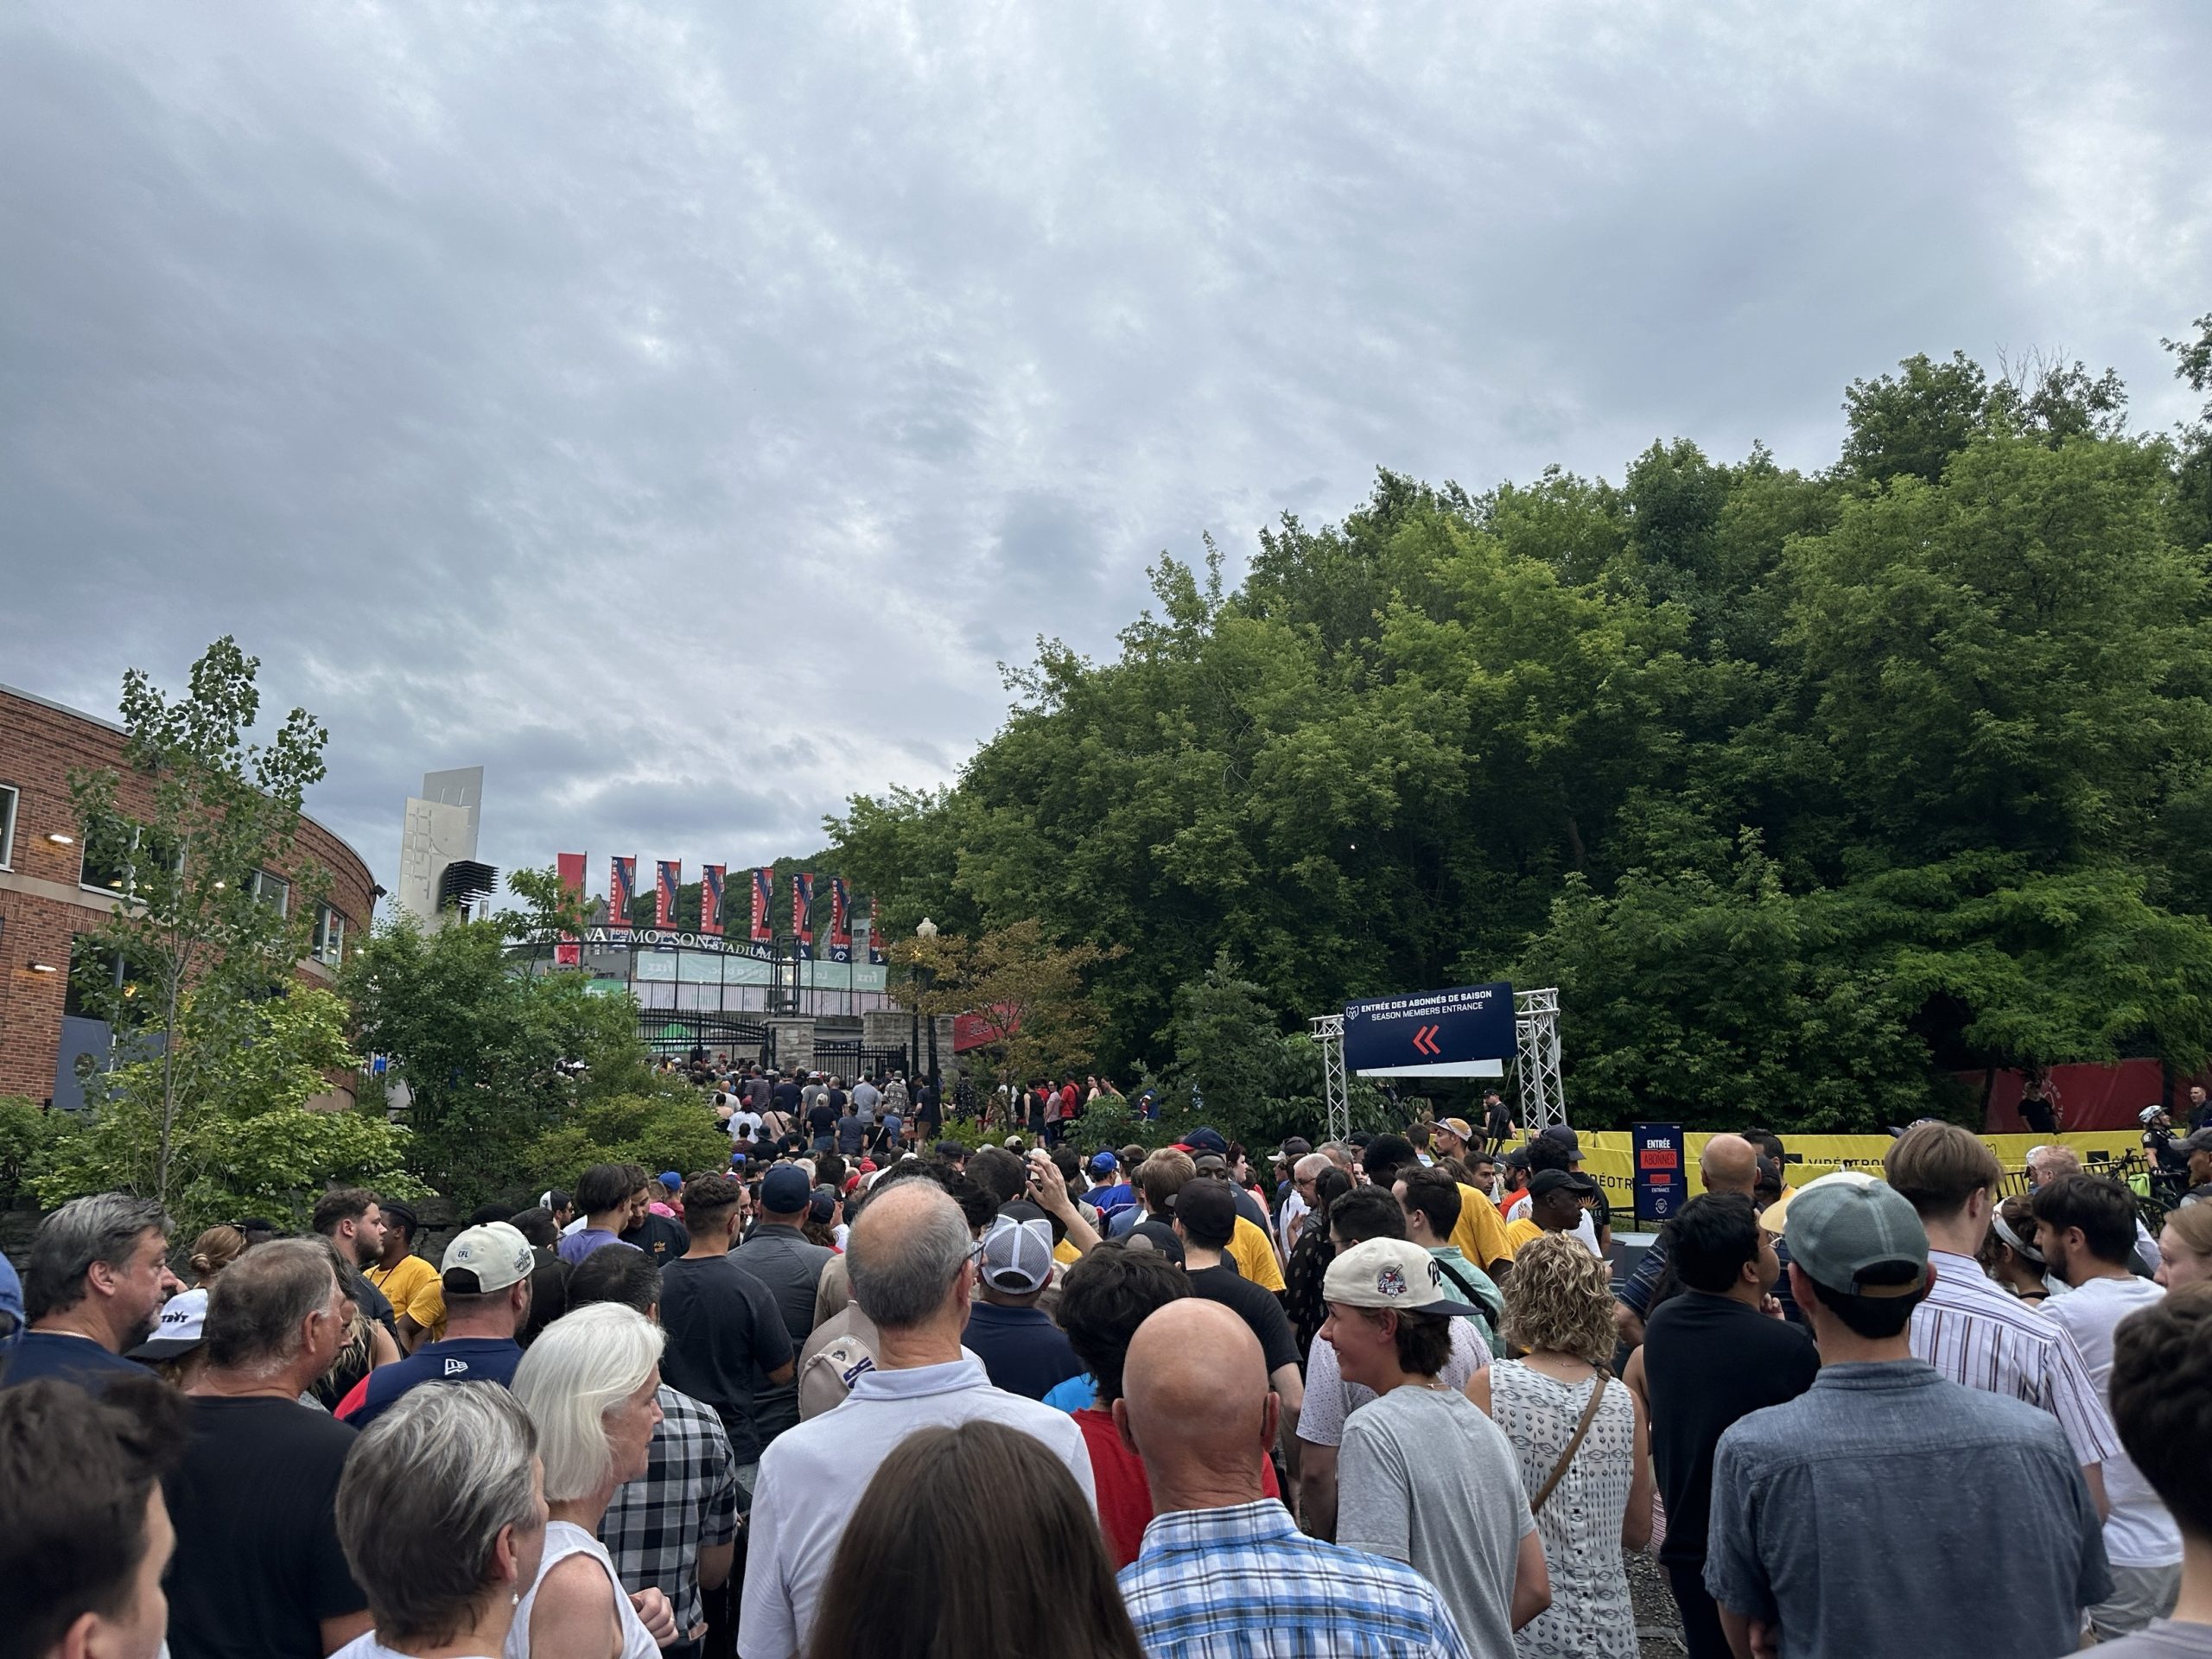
<point x="925" y="932"/>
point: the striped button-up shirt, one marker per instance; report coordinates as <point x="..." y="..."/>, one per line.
<point x="1977" y="1334"/>
<point x="1244" y="1583"/>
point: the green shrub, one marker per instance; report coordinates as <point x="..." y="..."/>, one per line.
<point x="660" y="1132"/>
<point x="26" y="1132"/>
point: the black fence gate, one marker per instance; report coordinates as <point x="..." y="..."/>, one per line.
<point x="856" y="1060"/>
<point x="678" y="1031"/>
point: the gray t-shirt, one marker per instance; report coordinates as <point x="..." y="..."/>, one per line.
<point x="1424" y="1477"/>
<point x="1827" y="1512"/>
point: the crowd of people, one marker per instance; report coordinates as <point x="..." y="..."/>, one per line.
<point x="887" y="1392"/>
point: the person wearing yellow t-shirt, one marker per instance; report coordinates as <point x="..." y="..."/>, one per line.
<point x="1481" y="1233"/>
<point x="417" y="1295"/>
<point x="1556" y="1201"/>
<point x="1256" y="1256"/>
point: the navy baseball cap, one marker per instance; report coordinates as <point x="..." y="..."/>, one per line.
<point x="1204" y="1139"/>
<point x="785" y="1190"/>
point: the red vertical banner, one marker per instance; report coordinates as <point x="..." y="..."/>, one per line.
<point x="764" y="893"/>
<point x="568" y="950"/>
<point x="668" y="876"/>
<point x="841" y="921"/>
<point x="710" y="899"/>
<point x="876" y="956"/>
<point x="803" y="912"/>
<point x="621" y="888"/>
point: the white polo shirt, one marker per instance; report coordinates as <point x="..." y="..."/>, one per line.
<point x="812" y="1478"/>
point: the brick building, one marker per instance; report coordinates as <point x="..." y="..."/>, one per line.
<point x="47" y="896"/>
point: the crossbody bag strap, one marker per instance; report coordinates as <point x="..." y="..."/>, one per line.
<point x="1474" y="1297"/>
<point x="1582" y="1429"/>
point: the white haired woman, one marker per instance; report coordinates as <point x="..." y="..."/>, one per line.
<point x="441" y="1515"/>
<point x="588" y="1383"/>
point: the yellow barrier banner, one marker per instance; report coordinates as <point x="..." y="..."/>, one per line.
<point x="1607" y="1157"/>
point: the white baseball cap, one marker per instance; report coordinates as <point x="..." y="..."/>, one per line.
<point x="494" y="1256"/>
<point x="1390" y="1273"/>
<point x="183" y="1327"/>
<point x="1018" y="1255"/>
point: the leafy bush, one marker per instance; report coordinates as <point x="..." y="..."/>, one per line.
<point x="26" y="1132"/>
<point x="241" y="1140"/>
<point x="660" y="1131"/>
<point x="275" y="1163"/>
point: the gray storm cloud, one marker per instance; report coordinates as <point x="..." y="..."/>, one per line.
<point x="678" y="409"/>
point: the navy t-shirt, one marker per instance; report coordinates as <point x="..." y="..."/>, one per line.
<point x="664" y="1239"/>
<point x="74" y="1359"/>
<point x="1023" y="1351"/>
<point x="458" y="1359"/>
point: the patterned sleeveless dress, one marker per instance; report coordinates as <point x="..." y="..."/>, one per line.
<point x="1590" y="1617"/>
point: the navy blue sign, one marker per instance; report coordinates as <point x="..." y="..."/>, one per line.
<point x="1436" y="1033"/>
<point x="1662" y="1184"/>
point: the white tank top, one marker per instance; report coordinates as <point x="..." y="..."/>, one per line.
<point x="361" y="1647"/>
<point x="562" y="1540"/>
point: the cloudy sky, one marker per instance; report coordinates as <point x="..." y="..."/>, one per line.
<point x="680" y="409"/>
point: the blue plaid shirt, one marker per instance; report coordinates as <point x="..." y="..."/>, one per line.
<point x="1244" y="1583"/>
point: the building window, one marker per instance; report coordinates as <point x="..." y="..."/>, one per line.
<point x="106" y="865"/>
<point x="7" y="826"/>
<point x="88" y="964"/>
<point x="273" y="891"/>
<point x="329" y="936"/>
<point x="111" y="864"/>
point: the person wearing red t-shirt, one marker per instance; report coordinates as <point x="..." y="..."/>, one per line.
<point x="1103" y="1298"/>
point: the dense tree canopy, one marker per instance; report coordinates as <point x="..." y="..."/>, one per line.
<point x="1808" y="790"/>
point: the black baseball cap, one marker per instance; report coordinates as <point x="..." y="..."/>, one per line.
<point x="1207" y="1210"/>
<point x="1551" y="1180"/>
<point x="1560" y="1134"/>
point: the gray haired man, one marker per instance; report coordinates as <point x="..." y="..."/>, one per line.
<point x="94" y="1286"/>
<point x="911" y="1261"/>
<point x="258" y="1567"/>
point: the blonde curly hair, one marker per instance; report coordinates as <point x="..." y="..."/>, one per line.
<point x="1558" y="1298"/>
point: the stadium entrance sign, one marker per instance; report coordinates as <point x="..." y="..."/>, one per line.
<point x="1467" y="1031"/>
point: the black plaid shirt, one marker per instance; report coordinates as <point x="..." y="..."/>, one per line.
<point x="686" y="1500"/>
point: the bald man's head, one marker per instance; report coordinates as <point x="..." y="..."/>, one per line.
<point x="906" y="1254"/>
<point x="1729" y="1163"/>
<point x="1196" y="1405"/>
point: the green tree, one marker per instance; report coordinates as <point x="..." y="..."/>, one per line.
<point x="492" y="1055"/>
<point x="1026" y="991"/>
<point x="2193" y="469"/>
<point x="246" y="1144"/>
<point x="1909" y="425"/>
<point x="1711" y="1000"/>
<point x="1868" y="722"/>
<point x="26" y="1131"/>
<point x="2012" y="658"/>
<point x="1229" y="1048"/>
<point x="199" y="921"/>
<point x="655" y="1131"/>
